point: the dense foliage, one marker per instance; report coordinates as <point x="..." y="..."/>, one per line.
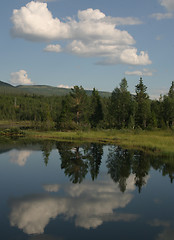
<point x="78" y="110"/>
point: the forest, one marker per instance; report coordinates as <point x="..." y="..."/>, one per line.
<point x="79" y="111"/>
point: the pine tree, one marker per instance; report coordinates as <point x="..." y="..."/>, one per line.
<point x="121" y="105"/>
<point x="143" y="105"/>
<point x="96" y="109"/>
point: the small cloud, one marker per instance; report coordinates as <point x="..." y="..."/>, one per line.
<point x="64" y="86"/>
<point x="53" y="48"/>
<point x="144" y="72"/>
<point x="169" y="6"/>
<point x="160" y="16"/>
<point x="20" y="77"/>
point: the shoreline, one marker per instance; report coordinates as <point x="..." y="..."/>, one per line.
<point x="158" y="142"/>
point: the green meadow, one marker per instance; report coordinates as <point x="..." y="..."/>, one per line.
<point x="158" y="142"/>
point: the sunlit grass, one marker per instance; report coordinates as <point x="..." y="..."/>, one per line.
<point x="159" y="141"/>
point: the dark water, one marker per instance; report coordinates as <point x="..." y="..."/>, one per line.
<point x="57" y="190"/>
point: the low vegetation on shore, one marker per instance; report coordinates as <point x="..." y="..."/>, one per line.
<point x="159" y="142"/>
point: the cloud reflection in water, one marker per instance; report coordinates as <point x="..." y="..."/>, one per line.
<point x="19" y="157"/>
<point x="90" y="203"/>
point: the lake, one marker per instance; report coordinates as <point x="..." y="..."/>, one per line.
<point x="60" y="190"/>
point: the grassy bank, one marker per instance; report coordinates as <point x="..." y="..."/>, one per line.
<point x="158" y="141"/>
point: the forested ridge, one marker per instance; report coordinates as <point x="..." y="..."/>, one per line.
<point x="78" y="110"/>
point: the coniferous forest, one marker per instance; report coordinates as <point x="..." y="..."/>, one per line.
<point x="80" y="111"/>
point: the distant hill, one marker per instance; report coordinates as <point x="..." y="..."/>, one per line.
<point x="3" y="84"/>
<point x="6" y="88"/>
<point x="44" y="90"/>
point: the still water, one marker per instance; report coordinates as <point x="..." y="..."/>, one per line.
<point x="60" y="190"/>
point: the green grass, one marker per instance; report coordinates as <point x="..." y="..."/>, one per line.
<point x="159" y="142"/>
<point x="10" y="124"/>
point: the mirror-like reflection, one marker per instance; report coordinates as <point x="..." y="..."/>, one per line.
<point x="90" y="206"/>
<point x="61" y="190"/>
<point x="78" y="160"/>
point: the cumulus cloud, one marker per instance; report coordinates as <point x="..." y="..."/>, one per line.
<point x="19" y="157"/>
<point x="20" y="77"/>
<point x="144" y="72"/>
<point x="35" y="22"/>
<point x="89" y="204"/>
<point x="93" y="34"/>
<point x="53" y="48"/>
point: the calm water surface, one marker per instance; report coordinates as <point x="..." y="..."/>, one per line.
<point x="57" y="190"/>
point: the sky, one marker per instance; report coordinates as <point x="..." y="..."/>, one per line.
<point x="91" y="43"/>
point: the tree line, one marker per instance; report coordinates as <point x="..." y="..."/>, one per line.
<point x="79" y="111"/>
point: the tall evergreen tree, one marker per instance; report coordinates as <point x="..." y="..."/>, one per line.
<point x="96" y="109"/>
<point x="121" y="105"/>
<point x="168" y="107"/>
<point x="143" y="105"/>
<point x="78" y="104"/>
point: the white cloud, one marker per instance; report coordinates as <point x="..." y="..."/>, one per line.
<point x="144" y="72"/>
<point x="130" y="56"/>
<point x="168" y="4"/>
<point x="53" y="48"/>
<point x="64" y="86"/>
<point x="20" y="77"/>
<point x="160" y="16"/>
<point x="90" y="14"/>
<point x="93" y="35"/>
<point x="19" y="157"/>
<point x="35" y="22"/>
<point x="89" y="204"/>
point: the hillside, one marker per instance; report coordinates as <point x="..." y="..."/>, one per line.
<point x="6" y="88"/>
<point x="44" y="90"/>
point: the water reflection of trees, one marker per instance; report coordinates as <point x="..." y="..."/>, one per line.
<point x="79" y="159"/>
<point x="121" y="163"/>
<point x="165" y="167"/>
<point x="46" y="150"/>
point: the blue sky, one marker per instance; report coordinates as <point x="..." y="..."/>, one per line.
<point x="93" y="43"/>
